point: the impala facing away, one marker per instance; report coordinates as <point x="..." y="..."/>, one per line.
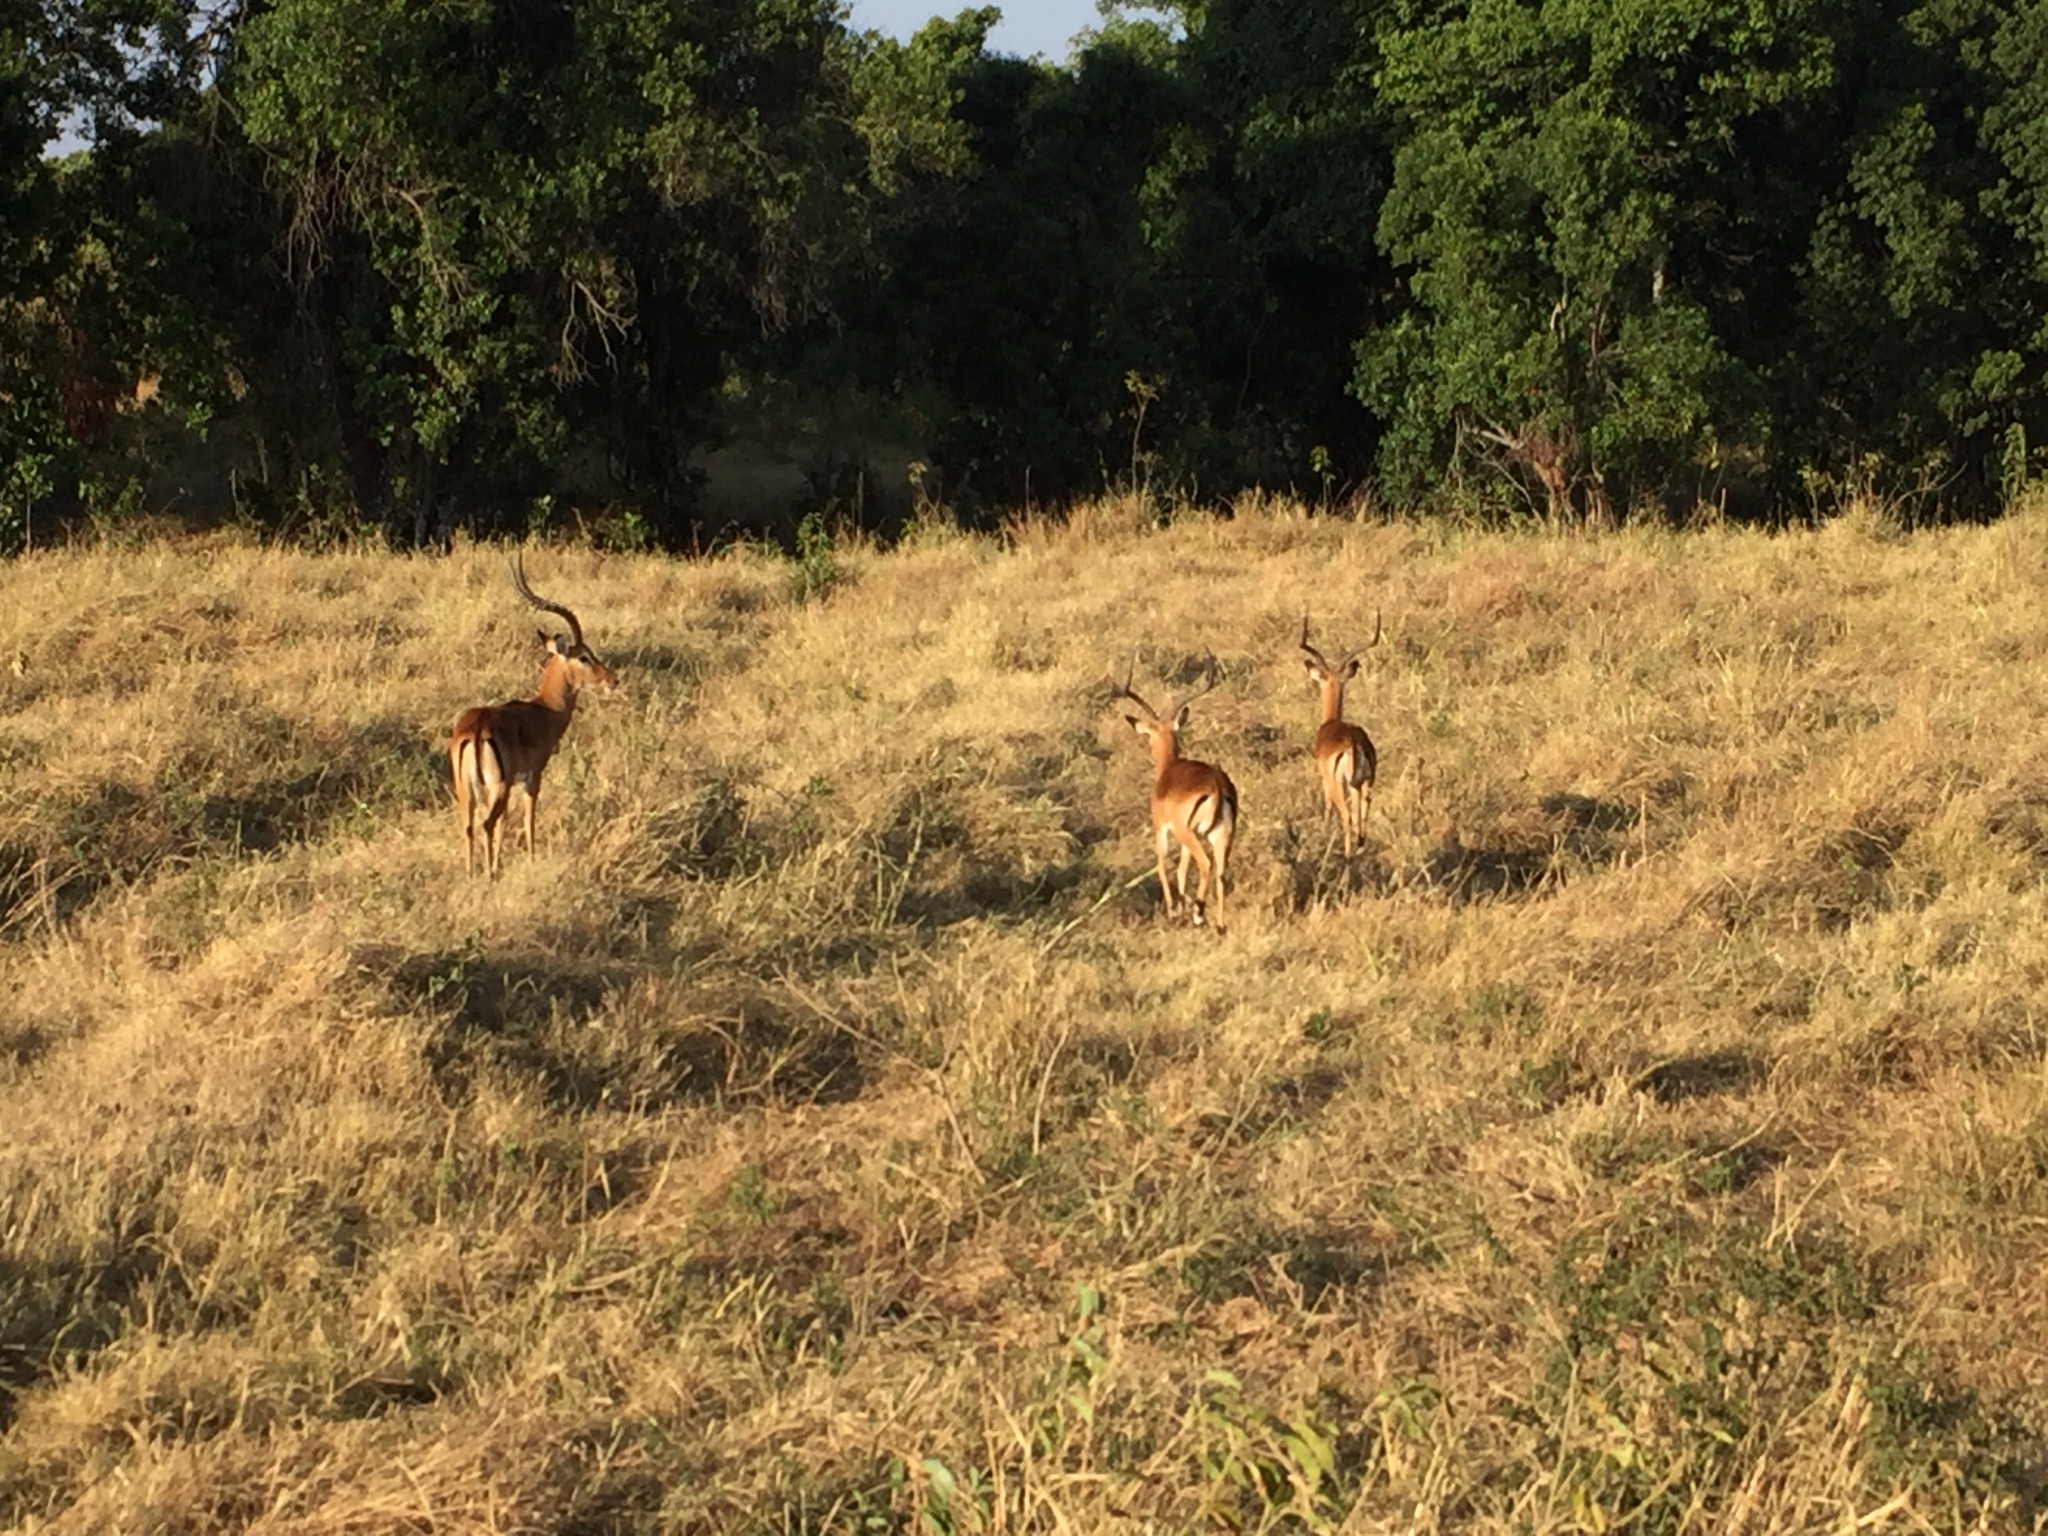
<point x="1193" y="803"/>
<point x="497" y="746"/>
<point x="1345" y="759"/>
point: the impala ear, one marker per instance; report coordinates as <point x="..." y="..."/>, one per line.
<point x="547" y="641"/>
<point x="1314" y="672"/>
<point x="1180" y="718"/>
<point x="1351" y="670"/>
<point x="1142" y="727"/>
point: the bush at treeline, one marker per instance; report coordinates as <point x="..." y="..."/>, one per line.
<point x="444" y="264"/>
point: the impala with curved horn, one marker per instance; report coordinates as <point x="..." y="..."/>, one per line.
<point x="1345" y="759"/>
<point x="497" y="746"/>
<point x="1193" y="804"/>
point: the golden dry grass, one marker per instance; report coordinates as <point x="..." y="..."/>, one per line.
<point x="1649" y="1131"/>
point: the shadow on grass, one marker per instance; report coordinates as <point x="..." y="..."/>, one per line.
<point x="1730" y="1170"/>
<point x="22" y="1045"/>
<point x="1528" y="864"/>
<point x="990" y="890"/>
<point x="1696" y="1077"/>
<point x="1280" y="1106"/>
<point x="545" y="1022"/>
<point x="1846" y="878"/>
<point x="1330" y="878"/>
<point x="63" y="1308"/>
<point x="1311" y="1267"/>
<point x="382" y="768"/>
<point x="670" y="663"/>
<point x="116" y="833"/>
<point x="57" y="1313"/>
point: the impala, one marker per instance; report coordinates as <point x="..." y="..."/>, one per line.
<point x="1345" y="759"/>
<point x="1193" y="804"/>
<point x="497" y="746"/>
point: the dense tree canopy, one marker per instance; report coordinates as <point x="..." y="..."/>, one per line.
<point x="462" y="264"/>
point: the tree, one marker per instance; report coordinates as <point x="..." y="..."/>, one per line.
<point x="1008" y="285"/>
<point x="1921" y="349"/>
<point x="1580" y="192"/>
<point x="522" y="230"/>
<point x="74" y="321"/>
<point x="1267" y="201"/>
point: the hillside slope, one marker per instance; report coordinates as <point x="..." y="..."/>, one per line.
<point x="825" y="1132"/>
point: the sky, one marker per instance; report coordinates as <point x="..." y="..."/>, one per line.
<point x="1027" y="27"/>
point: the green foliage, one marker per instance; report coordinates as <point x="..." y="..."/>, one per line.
<point x="906" y="94"/>
<point x="817" y="567"/>
<point x="1264" y="1468"/>
<point x="84" y="313"/>
<point x="538" y="229"/>
<point x="1561" y="174"/>
<point x="1569" y="258"/>
<point x="1117" y="220"/>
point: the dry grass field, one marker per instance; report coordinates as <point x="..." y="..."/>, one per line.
<point x="823" y="1133"/>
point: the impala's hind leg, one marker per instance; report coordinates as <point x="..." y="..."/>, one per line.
<point x="1220" y="837"/>
<point x="1368" y="775"/>
<point x="1347" y="795"/>
<point x="532" y="805"/>
<point x="1191" y="850"/>
<point x="493" y="821"/>
<point x="463" y="806"/>
<point x="1162" y="839"/>
<point x="482" y="788"/>
<point x="1333" y="806"/>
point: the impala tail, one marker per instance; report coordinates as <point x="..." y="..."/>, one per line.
<point x="469" y="783"/>
<point x="1214" y="812"/>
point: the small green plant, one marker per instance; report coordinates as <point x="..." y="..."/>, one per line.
<point x="1143" y="389"/>
<point x="1080" y="1380"/>
<point x="1264" y="1470"/>
<point x="452" y="973"/>
<point x="628" y="532"/>
<point x="1502" y="1010"/>
<point x="953" y="1505"/>
<point x="1324" y="468"/>
<point x="2012" y="463"/>
<point x="817" y="562"/>
<point x="24" y="482"/>
<point x="750" y="1195"/>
